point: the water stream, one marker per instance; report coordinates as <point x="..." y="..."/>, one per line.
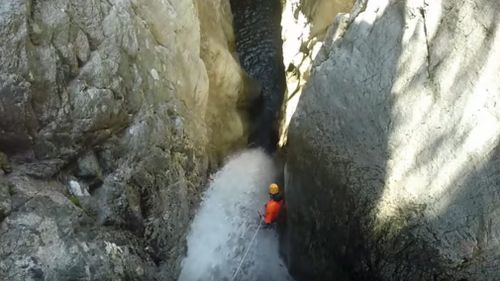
<point x="226" y="222"/>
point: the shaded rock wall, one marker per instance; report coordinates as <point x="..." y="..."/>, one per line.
<point x="111" y="114"/>
<point x="393" y="153"/>
<point x="259" y="46"/>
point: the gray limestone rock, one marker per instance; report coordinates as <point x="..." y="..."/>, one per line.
<point x="393" y="153"/>
<point x="82" y="47"/>
<point x="5" y="203"/>
<point x="49" y="237"/>
<point x="88" y="166"/>
<point x="17" y="118"/>
<point x="127" y="98"/>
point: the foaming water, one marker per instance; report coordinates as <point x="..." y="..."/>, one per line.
<point x="226" y="222"/>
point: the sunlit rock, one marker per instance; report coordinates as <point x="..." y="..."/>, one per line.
<point x="305" y="24"/>
<point x="393" y="166"/>
<point x="130" y="98"/>
<point x="227" y="124"/>
<point x="77" y="189"/>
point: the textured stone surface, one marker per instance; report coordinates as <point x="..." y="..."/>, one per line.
<point x="5" y="202"/>
<point x="227" y="124"/>
<point x="393" y="158"/>
<point x="5" y="166"/>
<point x="88" y="166"/>
<point x="48" y="237"/>
<point x="305" y="24"/>
<point x="130" y="98"/>
<point x="321" y="14"/>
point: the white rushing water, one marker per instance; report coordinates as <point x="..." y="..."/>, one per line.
<point x="226" y="222"/>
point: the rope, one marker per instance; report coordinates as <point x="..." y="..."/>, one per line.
<point x="246" y="252"/>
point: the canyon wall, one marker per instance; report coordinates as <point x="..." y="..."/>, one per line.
<point x="393" y="153"/>
<point x="259" y="46"/>
<point x="112" y="114"/>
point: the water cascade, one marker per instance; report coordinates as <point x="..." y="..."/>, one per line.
<point x="226" y="222"/>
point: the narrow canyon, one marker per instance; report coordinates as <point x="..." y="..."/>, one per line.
<point x="138" y="139"/>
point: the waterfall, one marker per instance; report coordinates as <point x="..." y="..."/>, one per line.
<point x="226" y="222"/>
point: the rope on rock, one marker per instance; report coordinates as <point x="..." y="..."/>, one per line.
<point x="246" y="252"/>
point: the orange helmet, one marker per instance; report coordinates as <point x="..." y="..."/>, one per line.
<point x="273" y="189"/>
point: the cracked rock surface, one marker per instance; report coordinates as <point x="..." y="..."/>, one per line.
<point x="393" y="153"/>
<point x="112" y="113"/>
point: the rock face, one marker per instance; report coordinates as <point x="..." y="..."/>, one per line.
<point x="5" y="202"/>
<point x="259" y="46"/>
<point x="305" y="24"/>
<point x="48" y="237"/>
<point x="393" y="153"/>
<point x="124" y="104"/>
<point x="321" y="14"/>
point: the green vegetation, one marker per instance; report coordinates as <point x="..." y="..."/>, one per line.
<point x="75" y="201"/>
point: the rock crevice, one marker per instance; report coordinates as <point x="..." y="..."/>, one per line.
<point x="259" y="46"/>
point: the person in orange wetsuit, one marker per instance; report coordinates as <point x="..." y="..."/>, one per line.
<point x="274" y="205"/>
